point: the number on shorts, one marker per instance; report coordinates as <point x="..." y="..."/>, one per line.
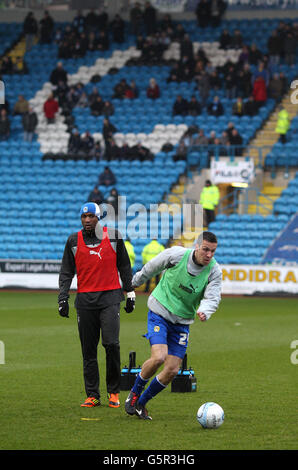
<point x="183" y="338"/>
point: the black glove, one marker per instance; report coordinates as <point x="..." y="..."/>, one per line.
<point x="63" y="308"/>
<point x="130" y="302"/>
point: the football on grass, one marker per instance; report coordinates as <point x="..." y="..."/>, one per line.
<point x="210" y="415"/>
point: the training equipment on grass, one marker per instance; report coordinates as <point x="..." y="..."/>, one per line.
<point x="185" y="380"/>
<point x="210" y="415"/>
<point x="128" y="374"/>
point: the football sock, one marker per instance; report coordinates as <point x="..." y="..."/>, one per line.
<point x="153" y="389"/>
<point x="139" y="384"/>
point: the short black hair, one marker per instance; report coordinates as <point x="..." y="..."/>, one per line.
<point x="208" y="236"/>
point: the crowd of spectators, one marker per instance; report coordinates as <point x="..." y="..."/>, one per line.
<point x="229" y="143"/>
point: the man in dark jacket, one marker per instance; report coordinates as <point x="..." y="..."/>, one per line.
<point x="97" y="256"/>
<point x="30" y="122"/>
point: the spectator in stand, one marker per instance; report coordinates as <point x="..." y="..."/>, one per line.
<point x="230" y="129"/>
<point x="215" y="108"/>
<point x="250" y="107"/>
<point x="117" y="28"/>
<point x="97" y="152"/>
<point x="30" y="30"/>
<point x="107" y="178"/>
<point x="231" y="82"/>
<point x="175" y="74"/>
<point x="87" y="144"/>
<point x="29" y="121"/>
<point x="120" y="89"/>
<point x="181" y="152"/>
<point x="186" y="48"/>
<point x="20" y="66"/>
<point x="290" y="47"/>
<point x="103" y="41"/>
<point x="113" y="151"/>
<point x="244" y="81"/>
<point x="203" y="83"/>
<point x="201" y="140"/>
<point x="4" y="125"/>
<point x="72" y="96"/>
<point x="238" y="107"/>
<point x="237" y="40"/>
<point x="59" y="74"/>
<point x="50" y="108"/>
<point x="132" y="91"/>
<point x="83" y="101"/>
<point x="112" y="199"/>
<point x="97" y="106"/>
<point x="153" y="91"/>
<point x="74" y="142"/>
<point x="259" y="91"/>
<point x="274" y="47"/>
<point x="275" y="87"/>
<point x="180" y="107"/>
<point x="91" y="22"/>
<point x="78" y="23"/>
<point x="60" y="94"/>
<point x="255" y="55"/>
<point x="194" y="107"/>
<point x="217" y="9"/>
<point x="141" y="153"/>
<point x="150" y="19"/>
<point x="46" y="28"/>
<point x="215" y="80"/>
<point x="225" y="39"/>
<point x="21" y="106"/>
<point x="108" y="109"/>
<point x="243" y="56"/>
<point x="212" y="137"/>
<point x="93" y="96"/>
<point x="261" y="72"/>
<point x="102" y="19"/>
<point x="236" y="141"/>
<point x="6" y="65"/>
<point x="136" y="18"/>
<point x="108" y="130"/>
<point x="203" y="13"/>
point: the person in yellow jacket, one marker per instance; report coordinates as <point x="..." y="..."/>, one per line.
<point x="151" y="250"/>
<point x="283" y="124"/>
<point x="209" y="199"/>
<point x="131" y="252"/>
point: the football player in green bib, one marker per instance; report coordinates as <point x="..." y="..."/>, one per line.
<point x="190" y="286"/>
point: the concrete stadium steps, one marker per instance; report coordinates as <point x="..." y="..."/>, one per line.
<point x="265" y="202"/>
<point x="266" y="136"/>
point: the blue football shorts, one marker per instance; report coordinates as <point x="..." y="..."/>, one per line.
<point x="161" y="331"/>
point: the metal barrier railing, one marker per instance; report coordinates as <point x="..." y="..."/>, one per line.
<point x="242" y="199"/>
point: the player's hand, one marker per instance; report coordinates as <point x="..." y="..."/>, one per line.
<point x="202" y="316"/>
<point x="130" y="302"/>
<point x="63" y="308"/>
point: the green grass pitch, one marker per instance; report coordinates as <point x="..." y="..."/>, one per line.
<point x="241" y="358"/>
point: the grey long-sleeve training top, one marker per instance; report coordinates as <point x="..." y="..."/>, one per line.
<point x="169" y="258"/>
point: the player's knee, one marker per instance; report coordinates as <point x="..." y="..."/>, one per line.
<point x="159" y="359"/>
<point x="172" y="371"/>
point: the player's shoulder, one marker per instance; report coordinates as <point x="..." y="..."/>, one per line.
<point x="72" y="239"/>
<point x="114" y="234"/>
<point x="216" y="269"/>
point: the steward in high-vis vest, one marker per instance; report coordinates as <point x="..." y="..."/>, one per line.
<point x="131" y="252"/>
<point x="149" y="252"/>
<point x="98" y="262"/>
<point x="209" y="199"/>
<point x="283" y="124"/>
<point x="190" y="286"/>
